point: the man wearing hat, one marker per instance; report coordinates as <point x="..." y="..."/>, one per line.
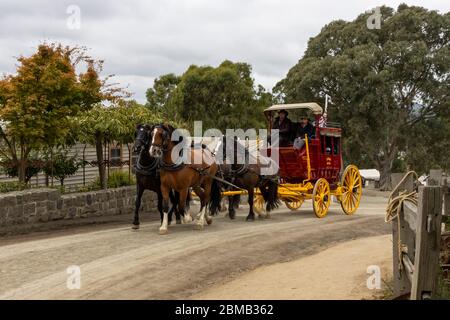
<point x="284" y="125"/>
<point x="304" y="127"/>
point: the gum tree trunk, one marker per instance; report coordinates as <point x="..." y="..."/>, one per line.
<point x="101" y="164"/>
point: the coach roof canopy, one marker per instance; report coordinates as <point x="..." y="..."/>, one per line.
<point x="314" y="107"/>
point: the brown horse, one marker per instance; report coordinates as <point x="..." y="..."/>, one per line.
<point x="180" y="176"/>
<point x="246" y="176"/>
<point x="147" y="176"/>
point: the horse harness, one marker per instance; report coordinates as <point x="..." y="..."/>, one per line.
<point x="151" y="169"/>
<point x="157" y="164"/>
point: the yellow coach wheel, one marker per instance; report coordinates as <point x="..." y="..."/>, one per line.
<point x="293" y="205"/>
<point x="321" y="198"/>
<point x="258" y="203"/>
<point x="351" y="189"/>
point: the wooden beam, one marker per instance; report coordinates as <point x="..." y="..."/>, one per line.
<point x="402" y="284"/>
<point x="428" y="234"/>
<point x="409" y="267"/>
<point x="410" y="214"/>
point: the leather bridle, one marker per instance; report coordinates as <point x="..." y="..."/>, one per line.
<point x="144" y="141"/>
<point x="165" y="138"/>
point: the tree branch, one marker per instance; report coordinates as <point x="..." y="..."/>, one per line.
<point x="5" y="138"/>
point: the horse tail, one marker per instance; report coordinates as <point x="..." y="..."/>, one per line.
<point x="271" y="195"/>
<point x="215" y="198"/>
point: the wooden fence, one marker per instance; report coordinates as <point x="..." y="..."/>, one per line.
<point x="417" y="237"/>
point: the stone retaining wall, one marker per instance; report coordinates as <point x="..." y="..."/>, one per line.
<point x="42" y="205"/>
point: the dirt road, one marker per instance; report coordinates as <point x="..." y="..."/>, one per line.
<point x="118" y="263"/>
<point x="339" y="272"/>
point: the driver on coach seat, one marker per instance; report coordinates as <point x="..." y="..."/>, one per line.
<point x="304" y="127"/>
<point x="284" y="125"/>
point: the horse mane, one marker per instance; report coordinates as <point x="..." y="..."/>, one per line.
<point x="171" y="129"/>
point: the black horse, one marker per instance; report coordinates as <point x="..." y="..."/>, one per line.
<point x="147" y="176"/>
<point x="246" y="176"/>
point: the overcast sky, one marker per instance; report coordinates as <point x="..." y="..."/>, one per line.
<point x="140" y="40"/>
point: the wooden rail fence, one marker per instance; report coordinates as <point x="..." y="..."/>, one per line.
<point x="417" y="238"/>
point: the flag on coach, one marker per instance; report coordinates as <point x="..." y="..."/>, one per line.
<point x="323" y="120"/>
<point x="323" y="117"/>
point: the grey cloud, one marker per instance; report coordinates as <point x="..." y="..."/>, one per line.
<point x="140" y="40"/>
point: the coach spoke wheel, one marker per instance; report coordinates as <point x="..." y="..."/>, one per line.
<point x="258" y="204"/>
<point x="351" y="189"/>
<point x="294" y="205"/>
<point x="321" y="198"/>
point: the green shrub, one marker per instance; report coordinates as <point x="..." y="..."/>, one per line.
<point x="443" y="286"/>
<point x="12" y="186"/>
<point x="116" y="179"/>
<point x="61" y="165"/>
<point x="10" y="168"/>
<point x="62" y="189"/>
<point x="84" y="189"/>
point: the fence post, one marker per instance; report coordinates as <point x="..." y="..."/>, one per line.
<point x="428" y="234"/>
<point x="402" y="285"/>
<point x="435" y="178"/>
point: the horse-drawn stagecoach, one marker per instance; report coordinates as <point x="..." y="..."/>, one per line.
<point x="311" y="169"/>
<point x="315" y="170"/>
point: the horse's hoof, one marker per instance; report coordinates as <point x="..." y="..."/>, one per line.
<point x="200" y="224"/>
<point x="163" y="231"/>
<point x="262" y="215"/>
<point x="187" y="219"/>
<point x="268" y="216"/>
<point x="251" y="219"/>
<point x="178" y="221"/>
<point x="209" y="220"/>
<point x="135" y="227"/>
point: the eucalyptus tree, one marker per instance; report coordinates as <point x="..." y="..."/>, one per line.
<point x="390" y="86"/>
<point x="222" y="97"/>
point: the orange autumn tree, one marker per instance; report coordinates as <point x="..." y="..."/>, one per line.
<point x="37" y="103"/>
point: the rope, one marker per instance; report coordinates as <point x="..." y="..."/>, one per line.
<point x="395" y="205"/>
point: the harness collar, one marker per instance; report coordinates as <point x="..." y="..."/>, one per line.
<point x="150" y="169"/>
<point x="171" y="166"/>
